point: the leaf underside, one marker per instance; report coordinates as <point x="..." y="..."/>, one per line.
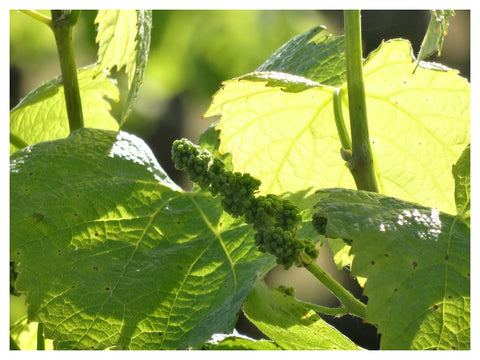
<point x="116" y="256"/>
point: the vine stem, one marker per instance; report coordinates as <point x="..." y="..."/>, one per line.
<point x="361" y="162"/>
<point x="351" y="303"/>
<point x="62" y="26"/>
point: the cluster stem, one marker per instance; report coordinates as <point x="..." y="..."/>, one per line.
<point x="350" y="302"/>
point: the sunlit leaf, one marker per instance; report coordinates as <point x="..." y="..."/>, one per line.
<point x="42" y="114"/>
<point x="417" y="264"/>
<point x="282" y="130"/>
<point x="419" y="125"/>
<point x="116" y="36"/>
<point x="289" y="324"/>
<point x="24" y="334"/>
<point x="121" y="258"/>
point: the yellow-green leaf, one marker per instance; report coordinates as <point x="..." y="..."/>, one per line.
<point x="116" y="39"/>
<point x="42" y="114"/>
<point x="281" y="128"/>
<point x="419" y="125"/>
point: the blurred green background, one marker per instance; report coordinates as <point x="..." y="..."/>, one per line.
<point x="191" y="53"/>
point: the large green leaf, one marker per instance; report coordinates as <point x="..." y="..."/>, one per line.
<point x="285" y="133"/>
<point x="42" y="114"/>
<point x="112" y="254"/>
<point x="290" y="324"/>
<point x="417" y="264"/>
<point x="124" y="40"/>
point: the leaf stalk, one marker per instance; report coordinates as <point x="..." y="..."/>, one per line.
<point x="340" y="122"/>
<point x="38" y="16"/>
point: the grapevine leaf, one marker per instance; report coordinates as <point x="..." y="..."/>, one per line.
<point x="289" y="324"/>
<point x="315" y="55"/>
<point x="112" y="254"/>
<point x="124" y="40"/>
<point x="42" y="114"/>
<point x="437" y="30"/>
<point x="461" y="174"/>
<point x="285" y="134"/>
<point x="144" y="24"/>
<point x="417" y="264"/>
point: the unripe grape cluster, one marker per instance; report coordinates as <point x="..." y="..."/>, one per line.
<point x="274" y="219"/>
<point x="194" y="160"/>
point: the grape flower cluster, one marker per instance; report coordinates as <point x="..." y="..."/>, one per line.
<point x="274" y="219"/>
